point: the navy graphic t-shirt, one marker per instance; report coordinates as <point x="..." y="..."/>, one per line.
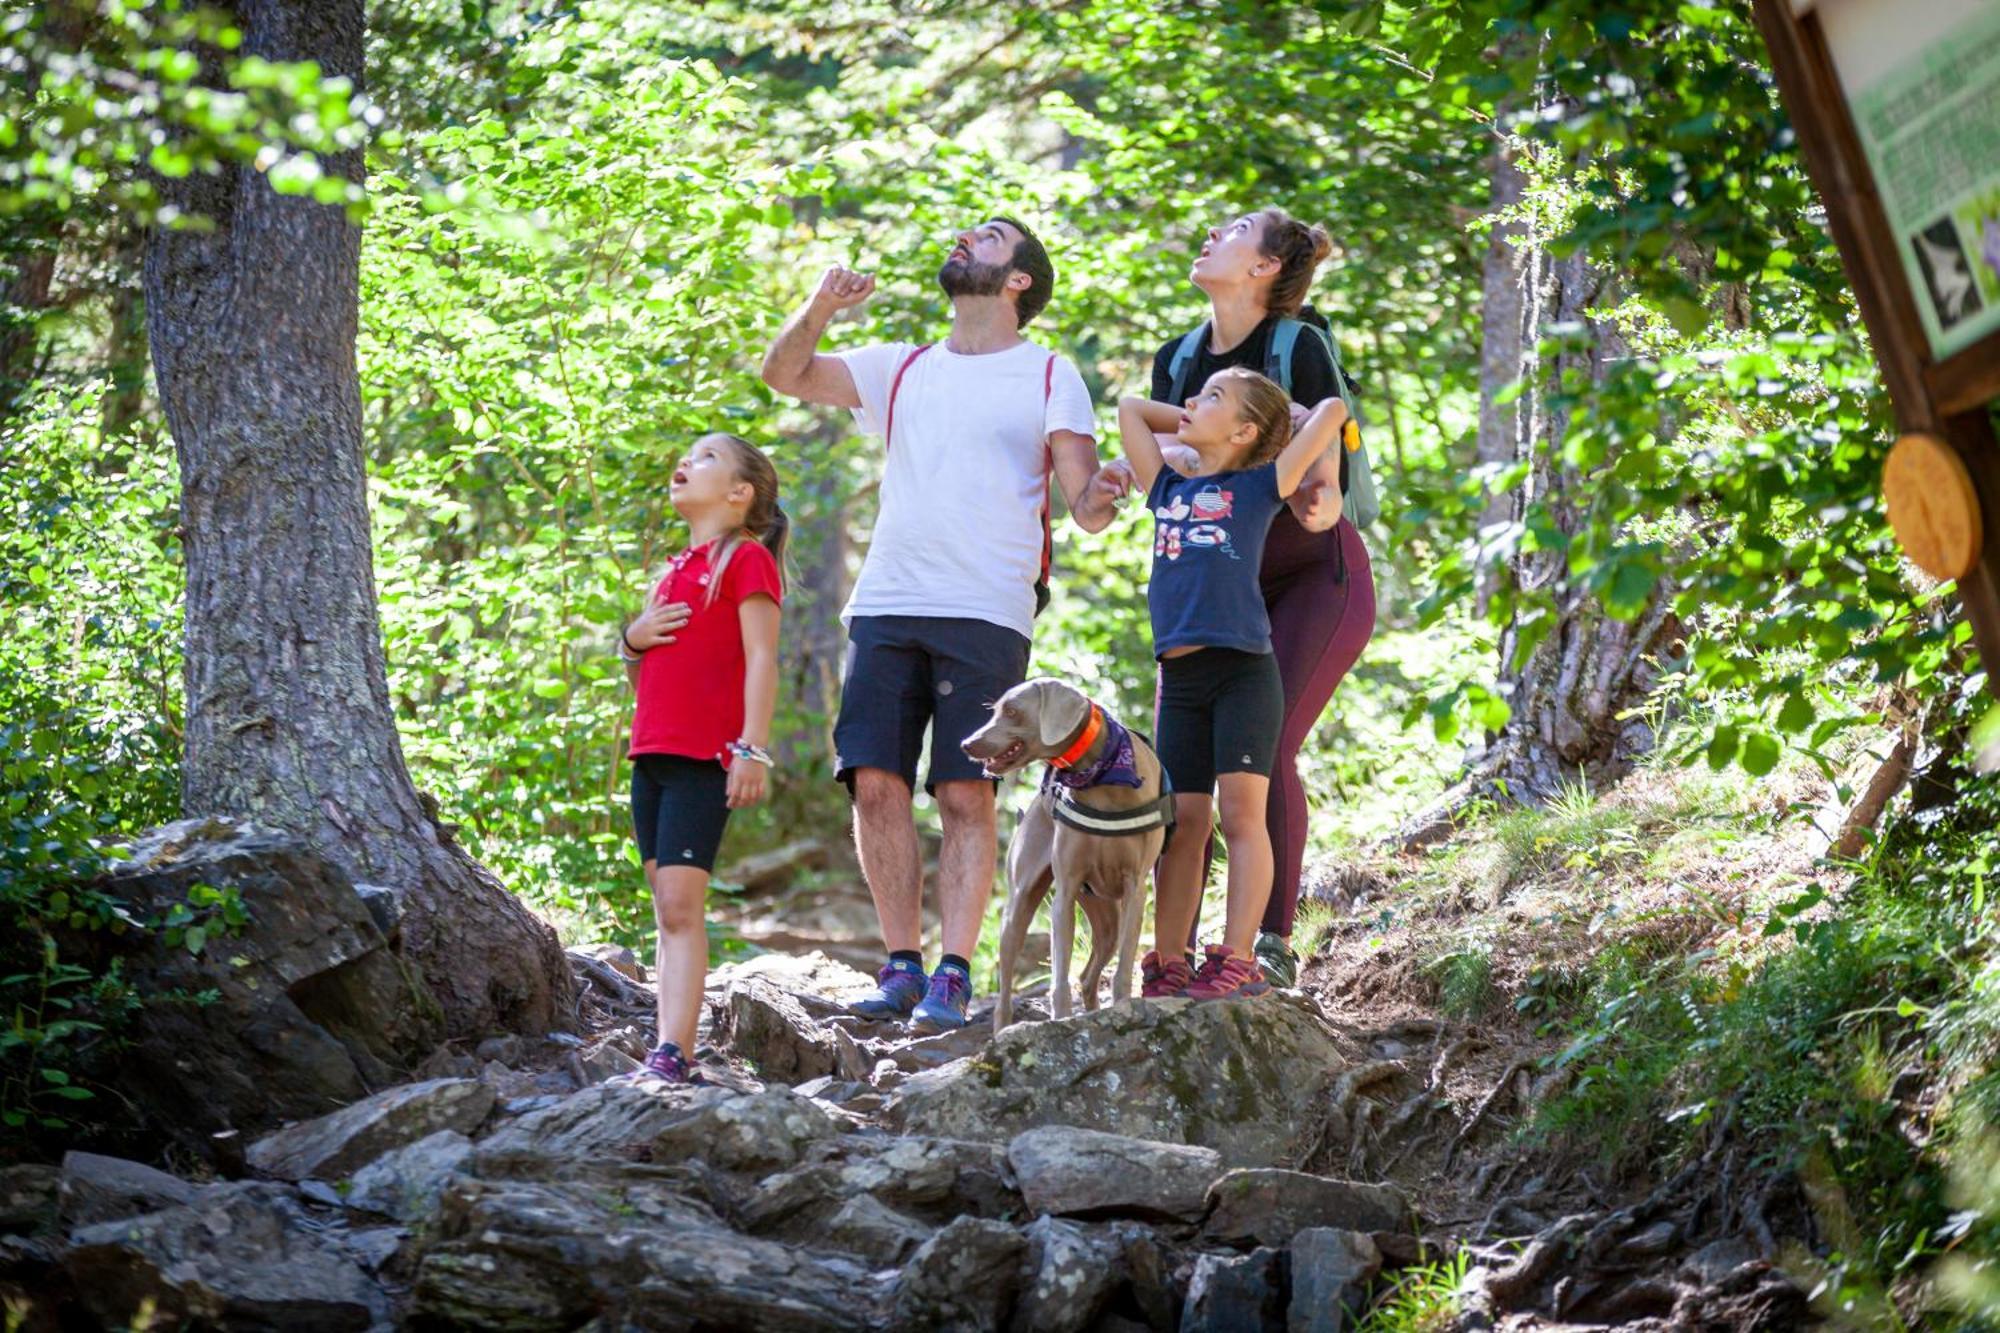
<point x="1208" y="540"/>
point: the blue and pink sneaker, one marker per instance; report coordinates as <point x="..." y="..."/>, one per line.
<point x="898" y="988"/>
<point x="666" y="1064"/>
<point x="943" y="1007"/>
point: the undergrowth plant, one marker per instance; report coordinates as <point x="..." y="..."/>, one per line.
<point x="1852" y="1052"/>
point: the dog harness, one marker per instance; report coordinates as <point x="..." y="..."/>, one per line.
<point x="1118" y="768"/>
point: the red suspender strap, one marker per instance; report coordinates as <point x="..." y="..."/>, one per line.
<point x="889" y="427"/>
<point x="1048" y="466"/>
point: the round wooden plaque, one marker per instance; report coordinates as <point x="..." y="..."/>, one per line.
<point x="1932" y="506"/>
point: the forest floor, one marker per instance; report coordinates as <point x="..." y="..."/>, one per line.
<point x="1450" y="973"/>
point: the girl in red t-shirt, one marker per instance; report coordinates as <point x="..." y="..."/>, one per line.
<point x="703" y="662"/>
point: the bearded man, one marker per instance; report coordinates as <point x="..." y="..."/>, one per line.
<point x="940" y="618"/>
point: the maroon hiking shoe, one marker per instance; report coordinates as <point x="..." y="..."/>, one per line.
<point x="1227" y="975"/>
<point x="1163" y="981"/>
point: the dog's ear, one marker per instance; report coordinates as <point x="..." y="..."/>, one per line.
<point x="1062" y="714"/>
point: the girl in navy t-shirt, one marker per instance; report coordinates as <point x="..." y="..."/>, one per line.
<point x="703" y="662"/>
<point x="1221" y="703"/>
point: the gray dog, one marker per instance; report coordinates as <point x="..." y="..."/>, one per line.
<point x="1092" y="831"/>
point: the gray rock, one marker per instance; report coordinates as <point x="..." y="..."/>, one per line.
<point x="1268" y="1206"/>
<point x="1245" y="1079"/>
<point x="1715" y="1261"/>
<point x="1648" y="1243"/>
<point x="761" y="1131"/>
<point x="614" y="956"/>
<point x="385" y="907"/>
<point x="819" y="982"/>
<point x="1151" y="1269"/>
<point x="936" y="1051"/>
<point x="337" y="1145"/>
<point x="102" y="1189"/>
<point x="507" y="1049"/>
<point x="405" y="1184"/>
<point x="374" y="1247"/>
<point x="771" y="1029"/>
<point x="965" y="1277"/>
<point x="933" y="1180"/>
<point x="1073" y="1271"/>
<point x="627" y="1253"/>
<point x="607" y="1120"/>
<point x="1085" y="1171"/>
<point x="605" y="1059"/>
<point x="28" y="1195"/>
<point x="867" y="1227"/>
<point x="1235" y="1293"/>
<point x="1331" y="1270"/>
<point x="312" y="1009"/>
<point x="240" y="1256"/>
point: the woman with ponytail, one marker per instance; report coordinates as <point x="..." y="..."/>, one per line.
<point x="703" y="662"/>
<point x="1318" y="589"/>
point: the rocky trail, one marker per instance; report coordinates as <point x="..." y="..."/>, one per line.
<point x="1277" y="1163"/>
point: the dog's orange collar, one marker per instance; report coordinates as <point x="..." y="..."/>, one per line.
<point x="1093" y="727"/>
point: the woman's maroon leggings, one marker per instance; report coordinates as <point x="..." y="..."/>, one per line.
<point x="1320" y="593"/>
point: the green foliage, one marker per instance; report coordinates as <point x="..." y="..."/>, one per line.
<point x="1815" y="1052"/>
<point x="100" y="101"/>
<point x="1424" y="1298"/>
<point x="88" y="734"/>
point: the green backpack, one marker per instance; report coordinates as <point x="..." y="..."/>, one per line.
<point x="1359" y="502"/>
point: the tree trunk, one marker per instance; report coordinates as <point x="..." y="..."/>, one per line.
<point x="252" y="327"/>
<point x="1570" y="695"/>
<point x="1511" y="292"/>
<point x="24" y="295"/>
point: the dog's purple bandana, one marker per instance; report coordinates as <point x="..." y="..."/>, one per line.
<point x="1117" y="768"/>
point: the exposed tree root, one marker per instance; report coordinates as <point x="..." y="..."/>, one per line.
<point x="1479" y="1113"/>
<point x="1339" y="1126"/>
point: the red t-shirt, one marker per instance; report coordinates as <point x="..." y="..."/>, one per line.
<point x="690" y="694"/>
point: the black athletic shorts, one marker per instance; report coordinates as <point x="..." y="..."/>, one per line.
<point x="906" y="673"/>
<point x="1220" y="711"/>
<point x="679" y="808"/>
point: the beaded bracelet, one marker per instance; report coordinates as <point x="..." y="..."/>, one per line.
<point x="740" y="749"/>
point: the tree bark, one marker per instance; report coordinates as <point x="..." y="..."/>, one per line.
<point x="1511" y="292"/>
<point x="1571" y="695"/>
<point x="252" y="326"/>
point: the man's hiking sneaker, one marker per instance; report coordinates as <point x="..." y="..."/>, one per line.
<point x="1227" y="975"/>
<point x="943" y="1007"/>
<point x="1275" y="957"/>
<point x="666" y="1064"/>
<point x="898" y="988"/>
<point x="1163" y="981"/>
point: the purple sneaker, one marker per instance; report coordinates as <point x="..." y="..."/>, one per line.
<point x="898" y="987"/>
<point x="943" y="1009"/>
<point x="666" y="1064"/>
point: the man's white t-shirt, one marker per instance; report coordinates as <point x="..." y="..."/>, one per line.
<point x="958" y="531"/>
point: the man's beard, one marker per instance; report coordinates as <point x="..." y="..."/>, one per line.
<point x="963" y="277"/>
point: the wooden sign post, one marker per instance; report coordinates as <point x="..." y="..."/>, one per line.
<point x="1897" y="109"/>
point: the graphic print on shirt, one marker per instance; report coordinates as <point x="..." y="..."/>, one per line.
<point x="1210" y="505"/>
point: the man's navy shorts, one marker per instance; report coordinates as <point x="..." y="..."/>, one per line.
<point x="908" y="673"/>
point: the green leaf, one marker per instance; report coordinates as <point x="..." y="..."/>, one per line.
<point x="1796" y="715"/>
<point x="1760" y="752"/>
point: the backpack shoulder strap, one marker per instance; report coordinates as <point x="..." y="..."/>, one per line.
<point x="1177" y="369"/>
<point x="889" y="426"/>
<point x="1278" y="356"/>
